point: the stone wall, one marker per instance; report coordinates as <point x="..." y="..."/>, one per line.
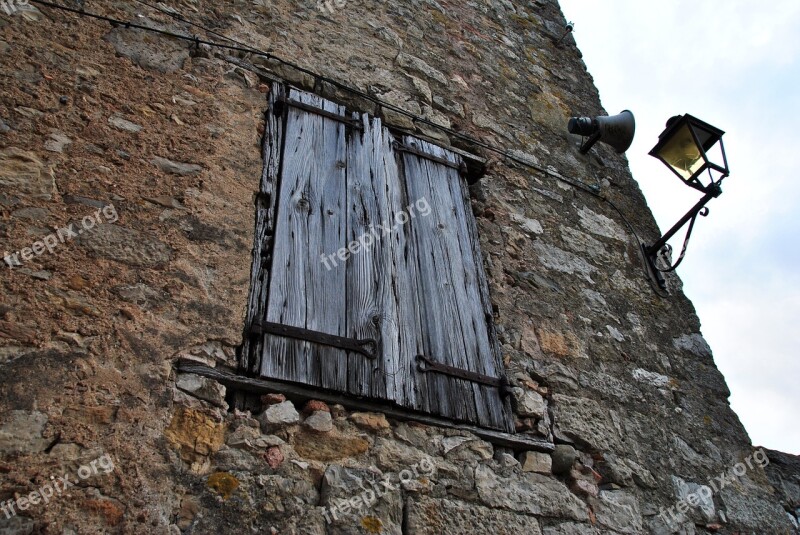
<point x="154" y="143"/>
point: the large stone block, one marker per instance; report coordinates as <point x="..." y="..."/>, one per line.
<point x="24" y="173"/>
<point x="528" y="493"/>
<point x="429" y="516"/>
<point x="22" y="432"/>
<point x="585" y="421"/>
<point x="126" y="245"/>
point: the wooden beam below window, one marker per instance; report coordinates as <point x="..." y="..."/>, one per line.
<point x="263" y="386"/>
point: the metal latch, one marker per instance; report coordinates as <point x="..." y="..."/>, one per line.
<point x="424" y="365"/>
<point x="365" y="346"/>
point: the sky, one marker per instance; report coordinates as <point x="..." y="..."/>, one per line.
<point x="735" y="65"/>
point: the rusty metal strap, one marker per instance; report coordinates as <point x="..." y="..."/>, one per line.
<point x="426" y="365"/>
<point x="367" y="346"/>
<point x="283" y="101"/>
<point x="460" y="167"/>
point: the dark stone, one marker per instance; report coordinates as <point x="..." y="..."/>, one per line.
<point x="33" y="214"/>
<point x="28" y="380"/>
<point x="196" y="230"/>
<point x="77" y="199"/>
<point x="563" y="457"/>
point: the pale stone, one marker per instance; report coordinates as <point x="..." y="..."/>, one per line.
<point x="699" y="498"/>
<point x="319" y="421"/>
<point x="450" y="443"/>
<point x="352" y="495"/>
<point x="619" y="511"/>
<point x="601" y="225"/>
<point x="534" y="461"/>
<point x="177" y="168"/>
<point x="279" y="414"/>
<point x="460" y="448"/>
<point x="23" y="172"/>
<point x="123" y="124"/>
<point x="202" y="388"/>
<point x="615" y="334"/>
<point x="651" y="378"/>
<point x="22" y="432"/>
<point x="531" y="226"/>
<point x="529" y="403"/>
<point x="530" y="493"/>
<point x="395" y="456"/>
<point x="695" y="343"/>
<point x="415" y="64"/>
<point x="584" y="420"/>
<point x="243" y="437"/>
<point x="557" y="259"/>
<point x="57" y="142"/>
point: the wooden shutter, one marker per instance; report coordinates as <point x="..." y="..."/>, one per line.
<point x="331" y="178"/>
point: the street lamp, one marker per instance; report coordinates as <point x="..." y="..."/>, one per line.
<point x="687" y="147"/>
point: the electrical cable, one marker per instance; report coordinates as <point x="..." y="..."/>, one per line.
<point x="243" y="47"/>
<point x="179" y="17"/>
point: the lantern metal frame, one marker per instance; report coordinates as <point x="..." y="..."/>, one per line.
<point x="704" y="136"/>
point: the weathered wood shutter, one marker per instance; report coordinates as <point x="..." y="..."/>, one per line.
<point x="418" y="288"/>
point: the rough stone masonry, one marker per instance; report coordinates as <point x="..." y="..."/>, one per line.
<point x="168" y="133"/>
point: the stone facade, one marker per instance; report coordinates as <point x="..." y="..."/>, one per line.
<point x="150" y="147"/>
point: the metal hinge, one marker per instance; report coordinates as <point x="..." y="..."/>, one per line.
<point x="460" y="167"/>
<point x="281" y="102"/>
<point x="366" y="346"/>
<point x="424" y="365"/>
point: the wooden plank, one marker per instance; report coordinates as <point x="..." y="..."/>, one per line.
<point x="368" y="266"/>
<point x="433" y="238"/>
<point x="309" y="224"/>
<point x="379" y="275"/>
<point x="299" y="393"/>
<point x="264" y="226"/>
<point x="326" y="224"/>
<point x="489" y="359"/>
<point x="453" y="299"/>
<point x="403" y="323"/>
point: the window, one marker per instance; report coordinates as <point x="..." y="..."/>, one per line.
<point x="367" y="257"/>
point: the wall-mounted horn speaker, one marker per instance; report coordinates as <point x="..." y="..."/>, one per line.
<point x="616" y="130"/>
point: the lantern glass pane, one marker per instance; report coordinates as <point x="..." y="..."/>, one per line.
<point x="682" y="154"/>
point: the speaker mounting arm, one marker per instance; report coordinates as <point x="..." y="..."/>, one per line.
<point x="594" y="138"/>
